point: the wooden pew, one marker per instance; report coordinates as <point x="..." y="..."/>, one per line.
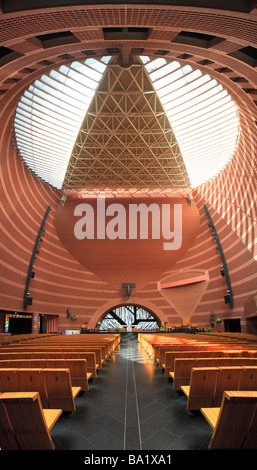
<point x="9" y="380"/>
<point x="33" y="380"/>
<point x="228" y="378"/>
<point x="201" y="390"/>
<point x="78" y="368"/>
<point x="53" y="385"/>
<point x="248" y="380"/>
<point x="24" y="424"/>
<point x="100" y="350"/>
<point x="207" y="385"/>
<point x="160" y="351"/>
<point x="234" y="422"/>
<point x="183" y="367"/>
<point x="172" y="356"/>
<point x="59" y="389"/>
<point x="90" y="357"/>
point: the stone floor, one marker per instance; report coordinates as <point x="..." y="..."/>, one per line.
<point x="131" y="406"/>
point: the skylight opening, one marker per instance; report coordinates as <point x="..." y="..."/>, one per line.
<point x="202" y="115"/>
<point x="214" y="111"/>
<point x="49" y="116"/>
<point x="166" y="69"/>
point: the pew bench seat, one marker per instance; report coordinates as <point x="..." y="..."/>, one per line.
<point x="24" y="424"/>
<point x="207" y="384"/>
<point x="234" y="423"/>
<point x="53" y="385"/>
<point x="78" y="368"/>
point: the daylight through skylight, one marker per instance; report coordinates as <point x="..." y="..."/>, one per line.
<point x="202" y="114"/>
<point x="49" y="116"/>
<point x="50" y="113"/>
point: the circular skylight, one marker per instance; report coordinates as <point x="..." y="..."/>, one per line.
<point x="201" y="113"/>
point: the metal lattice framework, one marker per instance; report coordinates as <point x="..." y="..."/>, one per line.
<point x="126" y="142"/>
<point x="118" y="124"/>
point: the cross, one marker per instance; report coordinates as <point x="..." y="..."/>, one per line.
<point x="128" y="286"/>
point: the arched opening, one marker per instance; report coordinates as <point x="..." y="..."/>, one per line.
<point x="127" y="317"/>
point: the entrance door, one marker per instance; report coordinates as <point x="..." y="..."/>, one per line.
<point x="233" y="325"/>
<point x="19" y="326"/>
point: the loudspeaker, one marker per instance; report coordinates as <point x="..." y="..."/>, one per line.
<point x="190" y="199"/>
<point x="29" y="300"/>
<point x="227" y="298"/>
<point x="63" y="199"/>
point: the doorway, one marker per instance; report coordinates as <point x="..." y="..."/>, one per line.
<point x="18" y="324"/>
<point x="233" y="325"/>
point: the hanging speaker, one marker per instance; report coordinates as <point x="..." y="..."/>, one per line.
<point x="227" y="298"/>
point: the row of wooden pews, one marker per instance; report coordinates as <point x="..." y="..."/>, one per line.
<point x="218" y="376"/>
<point x="40" y="379"/>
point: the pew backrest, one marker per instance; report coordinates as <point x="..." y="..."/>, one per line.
<point x="27" y="428"/>
<point x="235" y="426"/>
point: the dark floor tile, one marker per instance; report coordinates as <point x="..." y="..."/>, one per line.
<point x="160" y="440"/>
<point x="108" y="423"/>
<point x="106" y="441"/>
<point x="192" y="439"/>
<point x="132" y="406"/>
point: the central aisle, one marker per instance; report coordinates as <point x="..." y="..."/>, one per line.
<point x="131" y="406"/>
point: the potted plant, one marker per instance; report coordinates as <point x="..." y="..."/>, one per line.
<point x="73" y="317"/>
<point x="208" y="329"/>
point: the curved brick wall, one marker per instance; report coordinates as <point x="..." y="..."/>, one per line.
<point x="60" y="281"/>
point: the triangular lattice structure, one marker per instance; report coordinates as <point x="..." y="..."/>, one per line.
<point x="126" y="142"/>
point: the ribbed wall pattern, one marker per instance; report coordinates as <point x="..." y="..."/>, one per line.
<point x="60" y="281"/>
<point x="233" y="194"/>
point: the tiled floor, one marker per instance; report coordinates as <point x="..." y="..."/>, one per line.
<point x="131" y="406"/>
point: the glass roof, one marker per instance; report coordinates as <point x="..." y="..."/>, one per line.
<point x="50" y="113"/>
<point x="49" y="116"/>
<point x="202" y="114"/>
